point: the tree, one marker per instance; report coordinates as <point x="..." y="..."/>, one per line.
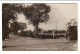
<point x="37" y="13"/>
<point x="9" y="12"/>
<point x="18" y="26"/>
<point x="22" y="26"/>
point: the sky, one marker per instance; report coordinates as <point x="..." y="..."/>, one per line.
<point x="59" y="16"/>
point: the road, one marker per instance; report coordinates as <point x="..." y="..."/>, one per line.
<point x="16" y="43"/>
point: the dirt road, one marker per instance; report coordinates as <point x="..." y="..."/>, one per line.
<point x="16" y="43"/>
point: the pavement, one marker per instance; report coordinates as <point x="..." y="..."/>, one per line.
<point x="18" y="43"/>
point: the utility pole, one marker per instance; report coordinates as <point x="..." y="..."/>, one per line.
<point x="56" y="25"/>
<point x="56" y="28"/>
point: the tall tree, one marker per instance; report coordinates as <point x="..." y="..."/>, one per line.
<point x="9" y="12"/>
<point x="37" y="13"/>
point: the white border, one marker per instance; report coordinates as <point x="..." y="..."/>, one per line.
<point x="39" y="1"/>
<point x="39" y="52"/>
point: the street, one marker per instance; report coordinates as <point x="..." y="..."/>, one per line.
<point x="18" y="43"/>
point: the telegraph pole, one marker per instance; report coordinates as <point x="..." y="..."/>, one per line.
<point x="56" y="25"/>
<point x="56" y="28"/>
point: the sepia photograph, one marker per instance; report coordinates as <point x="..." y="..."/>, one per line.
<point x="39" y="27"/>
